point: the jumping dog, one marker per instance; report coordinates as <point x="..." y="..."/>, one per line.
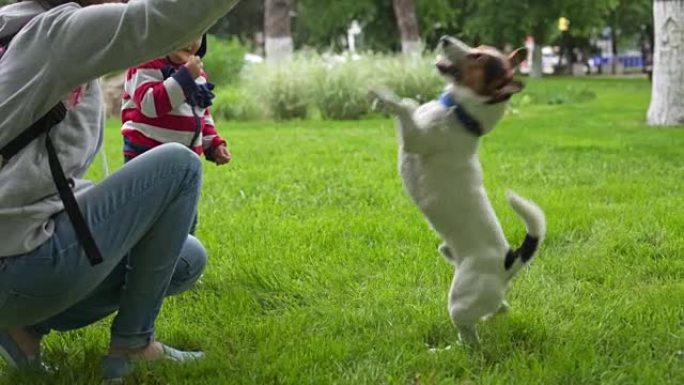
<point x="441" y="171"/>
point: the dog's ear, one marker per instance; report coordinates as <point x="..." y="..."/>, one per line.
<point x="505" y="92"/>
<point x="517" y="57"/>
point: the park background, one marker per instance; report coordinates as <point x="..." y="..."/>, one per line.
<point x="321" y="270"/>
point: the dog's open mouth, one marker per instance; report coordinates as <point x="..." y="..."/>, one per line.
<point x="447" y="67"/>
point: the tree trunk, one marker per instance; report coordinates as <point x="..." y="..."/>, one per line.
<point x="113" y="88"/>
<point x="405" y="11"/>
<point x="537" y="70"/>
<point x="278" y="30"/>
<point x="667" y="100"/>
<point x="614" y="46"/>
<point x="539" y="36"/>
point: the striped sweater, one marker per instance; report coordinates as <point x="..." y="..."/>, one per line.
<point x="154" y="111"/>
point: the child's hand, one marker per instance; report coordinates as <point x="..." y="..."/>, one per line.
<point x="194" y="65"/>
<point x="222" y="155"/>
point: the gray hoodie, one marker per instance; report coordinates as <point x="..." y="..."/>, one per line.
<point x="56" y="56"/>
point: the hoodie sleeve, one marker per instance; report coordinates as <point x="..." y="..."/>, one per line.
<point x="92" y="41"/>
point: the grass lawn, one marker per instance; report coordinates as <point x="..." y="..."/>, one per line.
<point x="322" y="271"/>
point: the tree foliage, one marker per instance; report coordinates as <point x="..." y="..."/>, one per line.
<point x="323" y="23"/>
<point x="630" y="17"/>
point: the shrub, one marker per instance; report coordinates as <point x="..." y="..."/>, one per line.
<point x="340" y="90"/>
<point x="284" y="88"/>
<point x="336" y="87"/>
<point x="234" y="103"/>
<point x="224" y="60"/>
<point x="414" y="78"/>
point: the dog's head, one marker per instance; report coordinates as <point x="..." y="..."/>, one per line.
<point x="484" y="70"/>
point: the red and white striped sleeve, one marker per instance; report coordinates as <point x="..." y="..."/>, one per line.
<point x="210" y="137"/>
<point x="151" y="94"/>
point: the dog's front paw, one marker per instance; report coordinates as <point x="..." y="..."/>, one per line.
<point x="383" y="94"/>
<point x="384" y="99"/>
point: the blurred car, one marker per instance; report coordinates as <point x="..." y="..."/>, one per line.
<point x="251" y="58"/>
<point x="549" y="62"/>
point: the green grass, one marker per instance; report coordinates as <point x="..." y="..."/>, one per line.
<point x="322" y="272"/>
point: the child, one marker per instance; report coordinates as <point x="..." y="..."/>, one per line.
<point x="166" y="100"/>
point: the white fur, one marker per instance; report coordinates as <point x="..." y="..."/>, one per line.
<point x="440" y="168"/>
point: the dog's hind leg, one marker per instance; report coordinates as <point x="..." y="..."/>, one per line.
<point x="504" y="308"/>
<point x="467" y="334"/>
<point x="463" y="315"/>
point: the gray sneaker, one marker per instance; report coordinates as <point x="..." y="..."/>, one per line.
<point x="114" y="369"/>
<point x="14" y="356"/>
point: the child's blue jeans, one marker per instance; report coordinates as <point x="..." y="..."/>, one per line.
<point x="130" y="147"/>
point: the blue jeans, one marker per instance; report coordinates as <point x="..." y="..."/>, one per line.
<point x="140" y="217"/>
<point x="130" y="147"/>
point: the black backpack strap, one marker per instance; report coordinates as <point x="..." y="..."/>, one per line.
<point x="49" y="120"/>
<point x="64" y="187"/>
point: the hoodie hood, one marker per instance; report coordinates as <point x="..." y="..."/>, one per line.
<point x="15" y="16"/>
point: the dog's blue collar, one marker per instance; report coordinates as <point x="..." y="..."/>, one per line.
<point x="470" y="123"/>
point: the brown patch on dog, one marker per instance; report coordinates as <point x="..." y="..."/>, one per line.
<point x="490" y="73"/>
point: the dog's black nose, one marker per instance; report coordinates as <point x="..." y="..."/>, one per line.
<point x="445" y="41"/>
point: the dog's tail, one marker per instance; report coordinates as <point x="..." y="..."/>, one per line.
<point x="535" y="222"/>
